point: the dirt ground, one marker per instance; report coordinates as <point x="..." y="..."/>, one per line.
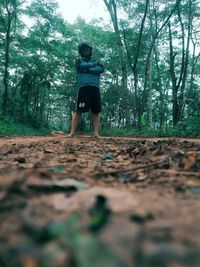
<point x="109" y="202"/>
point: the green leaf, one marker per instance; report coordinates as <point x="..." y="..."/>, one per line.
<point x="57" y="168"/>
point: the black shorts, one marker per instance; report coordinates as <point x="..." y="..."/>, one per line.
<point x="88" y="98"/>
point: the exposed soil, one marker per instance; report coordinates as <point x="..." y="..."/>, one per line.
<point x="109" y="202"/>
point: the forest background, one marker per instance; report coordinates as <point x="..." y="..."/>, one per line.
<point x="150" y="50"/>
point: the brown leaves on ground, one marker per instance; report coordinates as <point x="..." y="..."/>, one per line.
<point x="99" y="202"/>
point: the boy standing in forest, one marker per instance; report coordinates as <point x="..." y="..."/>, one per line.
<point x="88" y="82"/>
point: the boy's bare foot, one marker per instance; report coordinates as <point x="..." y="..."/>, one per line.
<point x="70" y="135"/>
<point x="97" y="135"/>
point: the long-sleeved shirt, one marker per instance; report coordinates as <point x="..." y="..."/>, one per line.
<point x="88" y="72"/>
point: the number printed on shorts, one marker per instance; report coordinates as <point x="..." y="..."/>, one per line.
<point x="81" y="105"/>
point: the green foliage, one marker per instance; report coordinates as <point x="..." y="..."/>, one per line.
<point x="120" y="132"/>
<point x="8" y="126"/>
<point x="187" y="131"/>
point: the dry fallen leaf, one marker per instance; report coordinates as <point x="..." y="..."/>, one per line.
<point x="190" y="160"/>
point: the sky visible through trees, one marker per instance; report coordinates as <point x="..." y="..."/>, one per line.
<point x="86" y="9"/>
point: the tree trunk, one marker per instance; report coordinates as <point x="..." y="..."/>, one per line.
<point x="6" y="65"/>
<point x="173" y="79"/>
<point x="112" y="9"/>
<point x="185" y="64"/>
<point x="172" y="72"/>
<point x="180" y="84"/>
<point x="134" y="68"/>
<point x="161" y="89"/>
<point x="149" y="96"/>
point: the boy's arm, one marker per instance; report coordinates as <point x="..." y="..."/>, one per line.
<point x="83" y="66"/>
<point x="97" y="69"/>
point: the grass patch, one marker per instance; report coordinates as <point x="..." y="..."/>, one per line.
<point x="145" y="132"/>
<point x="119" y="132"/>
<point x="8" y="127"/>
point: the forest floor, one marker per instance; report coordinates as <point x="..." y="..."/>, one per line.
<point x="109" y="202"/>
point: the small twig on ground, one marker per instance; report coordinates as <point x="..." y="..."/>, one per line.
<point x="153" y="164"/>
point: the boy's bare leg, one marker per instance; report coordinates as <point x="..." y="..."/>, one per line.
<point x="75" y="120"/>
<point x="96" y="123"/>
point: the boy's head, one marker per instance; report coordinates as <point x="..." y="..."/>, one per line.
<point x="85" y="49"/>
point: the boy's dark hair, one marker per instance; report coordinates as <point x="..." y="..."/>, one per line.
<point x="84" y="44"/>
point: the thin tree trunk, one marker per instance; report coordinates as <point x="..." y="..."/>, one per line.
<point x="134" y="66"/>
<point x="174" y="80"/>
<point x="112" y="9"/>
<point x="160" y="86"/>
<point x="6" y="64"/>
<point x="7" y="17"/>
<point x="193" y="65"/>
<point x="185" y="69"/>
<point x="154" y="39"/>
<point x="179" y="98"/>
<point x="149" y="96"/>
